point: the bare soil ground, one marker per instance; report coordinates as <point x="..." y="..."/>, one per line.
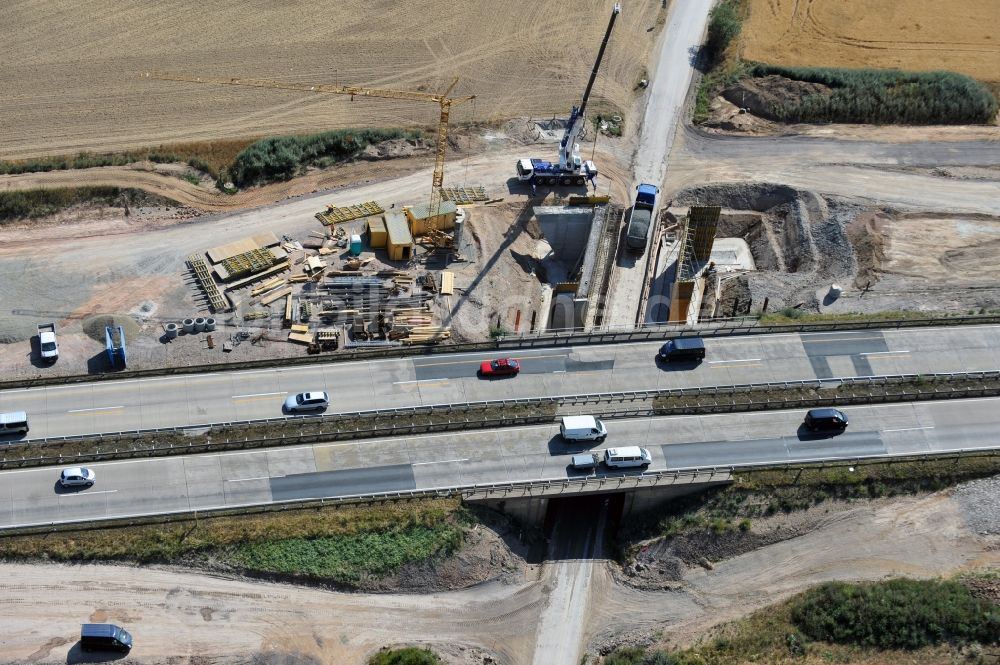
<point x="177" y="616"/>
<point x="522" y="60"/>
<point x="921" y="35"/>
<point x="884" y="258"/>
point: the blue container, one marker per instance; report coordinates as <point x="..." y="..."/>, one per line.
<point x="355" y="245"/>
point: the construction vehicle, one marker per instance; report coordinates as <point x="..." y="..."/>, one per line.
<point x="442" y="99"/>
<point x="571" y="169"/>
<point x="640" y="217"/>
<point x="47" y="344"/>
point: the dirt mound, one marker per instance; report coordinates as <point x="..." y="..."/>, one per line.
<point x="798" y="239"/>
<point x="396" y="148"/>
<point x="765" y="94"/>
<point x="94" y="326"/>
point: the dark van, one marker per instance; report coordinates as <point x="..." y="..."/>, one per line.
<point x="104" y="637"/>
<point x="682" y="348"/>
<point x="825" y="420"/>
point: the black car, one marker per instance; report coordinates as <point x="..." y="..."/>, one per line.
<point x="825" y="420"/>
<point x="104" y="637"/>
<point x="682" y="348"/>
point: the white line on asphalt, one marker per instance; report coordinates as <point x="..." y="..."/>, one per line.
<point x="396" y="383"/>
<point x="744" y="360"/>
<point x="906" y="429"/>
<point x="559" y="371"/>
<point x="443" y="461"/>
<point x="96" y="408"/>
<point x="63" y="496"/>
<point x="284" y="392"/>
<point x="240" y="480"/>
<point x="880" y="353"/>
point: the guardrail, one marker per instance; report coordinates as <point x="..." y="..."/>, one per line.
<point x="463" y="416"/>
<point x="661" y="332"/>
<point x="611" y="482"/>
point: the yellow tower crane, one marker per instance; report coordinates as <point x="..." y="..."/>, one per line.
<point x="443" y="100"/>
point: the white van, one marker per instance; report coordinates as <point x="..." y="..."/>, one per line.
<point x="582" y="428"/>
<point x="15" y="422"/>
<point x="629" y="456"/>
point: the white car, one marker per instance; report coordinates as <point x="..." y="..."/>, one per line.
<point x="77" y="476"/>
<point x="313" y="401"/>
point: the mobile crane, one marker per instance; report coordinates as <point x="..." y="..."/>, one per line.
<point x="571" y="169"/>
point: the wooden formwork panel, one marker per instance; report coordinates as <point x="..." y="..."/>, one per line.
<point x="462" y="195"/>
<point x="339" y="215"/>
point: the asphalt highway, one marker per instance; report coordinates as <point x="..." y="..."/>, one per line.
<point x="199" y="482"/>
<point x="226" y="396"/>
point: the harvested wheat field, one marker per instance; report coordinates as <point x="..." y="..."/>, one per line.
<point x="81" y="90"/>
<point x="920" y="35"/>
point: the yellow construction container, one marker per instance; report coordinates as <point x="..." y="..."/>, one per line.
<point x="377" y="234"/>
<point x="421" y="222"/>
<point x="399" y="240"/>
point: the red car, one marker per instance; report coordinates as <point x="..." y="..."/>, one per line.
<point x="500" y="367"/>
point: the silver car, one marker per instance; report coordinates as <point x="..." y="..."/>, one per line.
<point x="312" y="401"/>
<point x="77" y="476"/>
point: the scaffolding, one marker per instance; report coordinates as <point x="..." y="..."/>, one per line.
<point x="463" y="195"/>
<point x="247" y="263"/>
<point x="697" y="235"/>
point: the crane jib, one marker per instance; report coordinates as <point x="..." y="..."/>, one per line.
<point x="600" y="56"/>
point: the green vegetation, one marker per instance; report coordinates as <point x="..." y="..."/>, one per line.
<point x="897" y="614"/>
<point x="724" y="25"/>
<point x="283" y="157"/>
<point x="340" y="544"/>
<point x="30" y="203"/>
<point x="345" y="559"/>
<point x="209" y="157"/>
<point x="406" y="656"/>
<point x="793" y="315"/>
<point x="881" y="96"/>
<point x="757" y="494"/>
<point x="884" y="623"/>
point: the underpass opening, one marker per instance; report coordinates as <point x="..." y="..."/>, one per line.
<point x="581" y="527"/>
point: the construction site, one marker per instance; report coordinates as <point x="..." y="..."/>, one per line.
<point x="551" y="183"/>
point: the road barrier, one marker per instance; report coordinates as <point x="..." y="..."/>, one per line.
<point x="607" y="483"/>
<point x="737" y="327"/>
<point x="508" y="413"/>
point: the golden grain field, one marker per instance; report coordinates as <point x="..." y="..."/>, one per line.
<point x="70" y="69"/>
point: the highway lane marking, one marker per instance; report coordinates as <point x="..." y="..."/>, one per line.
<point x="284" y="392"/>
<point x="881" y="353"/>
<point x="842" y="339"/>
<point x="726" y="366"/>
<point x="87" y="493"/>
<point x="512" y="355"/>
<point x="241" y="480"/>
<point x="443" y="461"/>
<point x="744" y="360"/>
<point x="256" y="399"/>
<point x="439" y="381"/>
<point x="96" y="408"/>
<point x="906" y="429"/>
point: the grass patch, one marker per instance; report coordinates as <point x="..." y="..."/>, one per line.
<point x="791" y="315"/>
<point x="32" y="203"/>
<point x="884" y="96"/>
<point x="342" y="544"/>
<point x="346" y="558"/>
<point x="284" y="157"/>
<point x="949" y="623"/>
<point x="210" y="157"/>
<point x="405" y="656"/>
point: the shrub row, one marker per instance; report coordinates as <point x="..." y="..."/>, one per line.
<point x="882" y="96"/>
<point x="29" y="203"/>
<point x="898" y="614"/>
<point x="405" y="656"/>
<point x="86" y="160"/>
<point x="724" y="25"/>
<point x="284" y="157"/>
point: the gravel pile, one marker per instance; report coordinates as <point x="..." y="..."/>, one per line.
<point x="980" y="501"/>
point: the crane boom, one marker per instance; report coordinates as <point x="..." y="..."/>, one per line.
<point x="569" y="156"/>
<point x="443" y="100"/>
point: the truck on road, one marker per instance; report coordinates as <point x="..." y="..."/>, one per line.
<point x="640" y="217"/>
<point x="47" y="344"/>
